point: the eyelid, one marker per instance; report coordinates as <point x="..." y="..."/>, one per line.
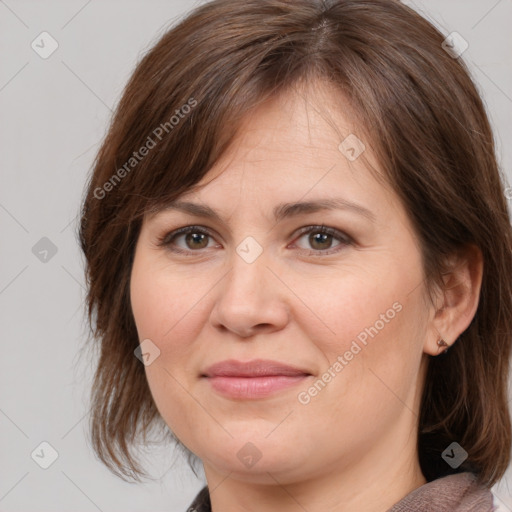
<point x="322" y="228"/>
<point x="344" y="239"/>
<point x="168" y="236"/>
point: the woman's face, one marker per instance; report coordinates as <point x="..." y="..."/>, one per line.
<point x="283" y="348"/>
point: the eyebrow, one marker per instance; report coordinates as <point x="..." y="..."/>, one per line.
<point x="281" y="211"/>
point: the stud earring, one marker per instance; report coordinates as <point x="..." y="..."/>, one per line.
<point x="441" y="343"/>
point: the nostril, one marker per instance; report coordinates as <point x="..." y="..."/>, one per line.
<point x="262" y="326"/>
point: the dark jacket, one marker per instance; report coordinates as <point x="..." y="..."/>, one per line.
<point x="453" y="493"/>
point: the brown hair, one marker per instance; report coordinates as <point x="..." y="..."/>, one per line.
<point x="429" y="131"/>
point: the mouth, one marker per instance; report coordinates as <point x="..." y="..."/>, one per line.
<point x="254" y="379"/>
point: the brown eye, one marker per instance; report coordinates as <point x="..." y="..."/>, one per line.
<point x="196" y="240"/>
<point x="188" y="239"/>
<point x="320" y="241"/>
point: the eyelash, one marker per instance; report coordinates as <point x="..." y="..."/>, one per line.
<point x="167" y="239"/>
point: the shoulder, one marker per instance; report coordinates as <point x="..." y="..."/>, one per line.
<point x="460" y="492"/>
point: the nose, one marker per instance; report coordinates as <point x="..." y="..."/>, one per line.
<point x="250" y="300"/>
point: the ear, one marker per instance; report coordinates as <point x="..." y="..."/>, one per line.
<point x="457" y="301"/>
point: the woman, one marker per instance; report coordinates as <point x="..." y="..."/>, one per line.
<point x="297" y="248"/>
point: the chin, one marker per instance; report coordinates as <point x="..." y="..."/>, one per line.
<point x="252" y="458"/>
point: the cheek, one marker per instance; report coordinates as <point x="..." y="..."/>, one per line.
<point x="381" y="373"/>
<point x="164" y="313"/>
<point x="363" y="305"/>
<point x="371" y="371"/>
<point x="369" y="328"/>
<point x="166" y="305"/>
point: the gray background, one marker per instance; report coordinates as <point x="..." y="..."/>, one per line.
<point x="54" y="113"/>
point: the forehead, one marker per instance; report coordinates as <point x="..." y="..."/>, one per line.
<point x="300" y="144"/>
<point x="290" y="153"/>
<point x="304" y="124"/>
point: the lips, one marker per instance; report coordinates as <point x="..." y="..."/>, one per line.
<point x="255" y="368"/>
<point x="253" y="379"/>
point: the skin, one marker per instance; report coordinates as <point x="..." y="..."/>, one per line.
<point x="353" y="445"/>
